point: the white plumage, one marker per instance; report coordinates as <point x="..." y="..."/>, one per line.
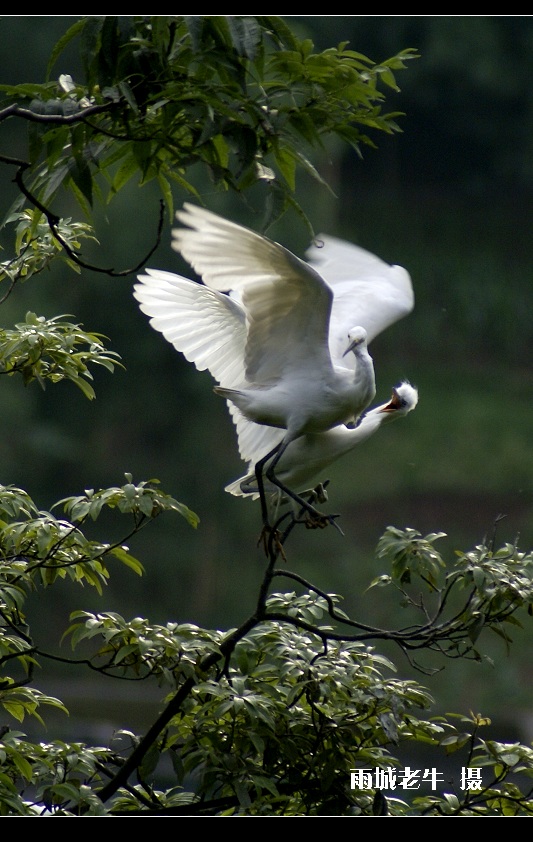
<point x="308" y="456"/>
<point x="279" y="344"/>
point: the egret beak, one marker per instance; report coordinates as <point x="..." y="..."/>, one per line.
<point x="353" y="345"/>
<point x="394" y="403"/>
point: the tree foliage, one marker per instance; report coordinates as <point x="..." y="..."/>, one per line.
<point x="241" y="97"/>
<point x="277" y="715"/>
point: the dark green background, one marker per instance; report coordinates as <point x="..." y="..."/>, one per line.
<point x="451" y="199"/>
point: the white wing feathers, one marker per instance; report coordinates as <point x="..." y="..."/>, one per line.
<point x="287" y="303"/>
<point x="277" y="303"/>
<point x="229" y="256"/>
<point x="209" y="329"/>
<point x="206" y="326"/>
<point x="366" y="290"/>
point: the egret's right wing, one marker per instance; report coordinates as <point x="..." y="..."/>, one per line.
<point x="286" y="301"/>
<point x="206" y="326"/>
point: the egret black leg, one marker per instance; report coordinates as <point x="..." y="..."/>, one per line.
<point x="259" y="468"/>
<point x="270" y="473"/>
<point x="275" y="455"/>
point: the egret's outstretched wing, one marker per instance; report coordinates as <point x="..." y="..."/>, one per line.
<point x="209" y="328"/>
<point x="367" y="291"/>
<point x="287" y="303"/>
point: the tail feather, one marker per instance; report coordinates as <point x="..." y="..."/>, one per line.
<point x="244" y="487"/>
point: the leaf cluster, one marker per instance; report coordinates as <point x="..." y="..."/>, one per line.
<point x="269" y="718"/>
<point x="36" y="244"/>
<point x="52" y="350"/>
<point x="238" y="95"/>
<point x="497" y="582"/>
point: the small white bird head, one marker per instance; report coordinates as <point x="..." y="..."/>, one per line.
<point x="356" y="337"/>
<point x="404" y="398"/>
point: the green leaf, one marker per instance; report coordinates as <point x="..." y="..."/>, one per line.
<point x="127" y="559"/>
<point x="85" y="387"/>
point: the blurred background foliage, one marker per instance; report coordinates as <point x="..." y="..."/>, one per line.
<point x="451" y="199"/>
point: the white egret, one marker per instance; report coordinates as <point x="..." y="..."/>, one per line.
<point x="308" y="456"/>
<point x="278" y="345"/>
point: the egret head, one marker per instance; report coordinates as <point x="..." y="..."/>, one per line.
<point x="404" y="398"/>
<point x="357" y="337"/>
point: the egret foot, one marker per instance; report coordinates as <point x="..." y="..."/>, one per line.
<point x="269" y="537"/>
<point x="321" y="522"/>
<point x="318" y="494"/>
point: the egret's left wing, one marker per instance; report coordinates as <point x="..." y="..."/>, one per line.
<point x="367" y="291"/>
